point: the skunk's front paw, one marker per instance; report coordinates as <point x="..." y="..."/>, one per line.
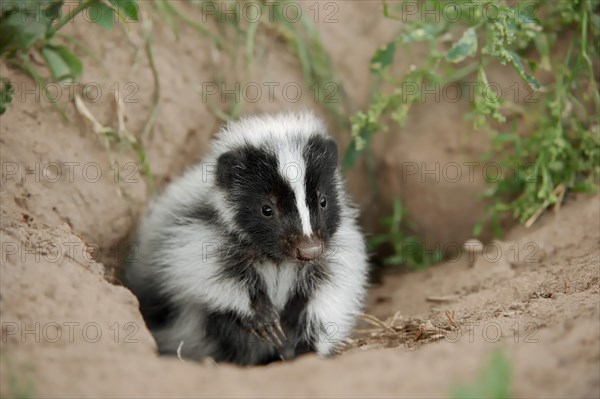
<point x="265" y="324"/>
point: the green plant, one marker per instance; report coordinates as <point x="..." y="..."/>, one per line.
<point x="407" y="249"/>
<point x="28" y="28"/>
<point x="317" y="71"/>
<point x="493" y="381"/>
<point x="560" y="149"/>
<point x="6" y="94"/>
<point x="245" y="21"/>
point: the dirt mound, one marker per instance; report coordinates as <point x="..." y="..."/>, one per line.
<point x="68" y="332"/>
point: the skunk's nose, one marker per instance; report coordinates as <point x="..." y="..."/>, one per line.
<point x="309" y="249"/>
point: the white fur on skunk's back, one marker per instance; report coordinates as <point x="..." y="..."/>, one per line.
<point x="181" y="259"/>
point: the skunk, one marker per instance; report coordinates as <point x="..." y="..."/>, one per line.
<point x="254" y="254"/>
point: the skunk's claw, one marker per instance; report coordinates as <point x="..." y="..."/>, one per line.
<point x="267" y="328"/>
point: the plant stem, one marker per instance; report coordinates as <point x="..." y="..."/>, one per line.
<point x="156" y="94"/>
<point x="26" y="67"/>
<point x="63" y="21"/>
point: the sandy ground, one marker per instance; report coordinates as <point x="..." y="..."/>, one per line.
<point x="70" y="330"/>
<point x="69" y="333"/>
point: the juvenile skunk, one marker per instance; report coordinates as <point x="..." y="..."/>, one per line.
<point x="254" y="254"/>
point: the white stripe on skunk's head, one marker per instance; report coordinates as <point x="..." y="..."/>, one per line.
<point x="280" y="177"/>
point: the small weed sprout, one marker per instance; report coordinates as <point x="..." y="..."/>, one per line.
<point x="407" y="249"/>
<point x="493" y="382"/>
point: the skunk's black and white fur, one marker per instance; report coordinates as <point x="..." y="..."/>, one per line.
<point x="254" y="254"/>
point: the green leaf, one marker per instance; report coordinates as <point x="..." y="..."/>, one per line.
<point x="6" y="94"/>
<point x="19" y="30"/>
<point x="377" y="241"/>
<point x="477" y="228"/>
<point x="383" y="57"/>
<point x="425" y="32"/>
<point x="437" y="257"/>
<point x="127" y="8"/>
<point x="387" y="221"/>
<point x="351" y="156"/>
<point x="62" y="63"/>
<point x="101" y="14"/>
<point x="24" y="22"/>
<point x="501" y="207"/>
<point x="532" y="65"/>
<point x="465" y="47"/>
<point x="502" y="138"/>
<point x="394" y="260"/>
<point x="518" y="64"/>
<point x="585" y="187"/>
<point x="71" y="60"/>
<point x="556" y="166"/>
<point x="58" y="67"/>
<point x="543" y="47"/>
<point x="386" y="10"/>
<point x="398" y="211"/>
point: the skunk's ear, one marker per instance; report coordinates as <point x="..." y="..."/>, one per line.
<point x="331" y="149"/>
<point x="322" y="154"/>
<point x="226" y="165"/>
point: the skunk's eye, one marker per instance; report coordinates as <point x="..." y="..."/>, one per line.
<point x="323" y="202"/>
<point x="267" y="211"/>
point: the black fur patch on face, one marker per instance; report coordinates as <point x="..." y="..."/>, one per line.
<point x="251" y="179"/>
<point x="321" y="159"/>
